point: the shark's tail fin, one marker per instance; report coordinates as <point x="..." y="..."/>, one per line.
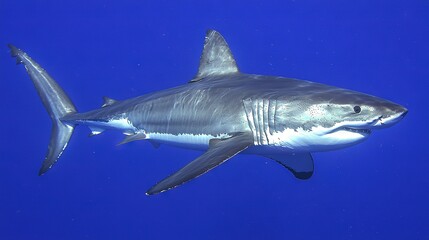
<point x="56" y="102"/>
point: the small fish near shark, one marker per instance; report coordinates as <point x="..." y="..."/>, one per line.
<point x="223" y="112"/>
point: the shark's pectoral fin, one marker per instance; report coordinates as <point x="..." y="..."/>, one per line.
<point x="300" y="164"/>
<point x="219" y="151"/>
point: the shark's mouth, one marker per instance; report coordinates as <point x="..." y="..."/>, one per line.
<point x="357" y="130"/>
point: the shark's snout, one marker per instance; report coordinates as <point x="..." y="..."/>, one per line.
<point x="397" y="113"/>
<point x="404" y="112"/>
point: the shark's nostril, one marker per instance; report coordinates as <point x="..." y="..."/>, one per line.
<point x="404" y="113"/>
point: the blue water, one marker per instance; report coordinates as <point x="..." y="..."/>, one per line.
<point x="376" y="190"/>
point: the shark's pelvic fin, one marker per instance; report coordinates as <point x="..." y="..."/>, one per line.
<point x="300" y="164"/>
<point x="220" y="150"/>
<point x="216" y="58"/>
<point x="108" y="101"/>
<point x="134" y="137"/>
<point x="95" y="131"/>
<point x="56" y="102"/>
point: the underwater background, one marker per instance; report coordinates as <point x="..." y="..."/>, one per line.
<point x="378" y="189"/>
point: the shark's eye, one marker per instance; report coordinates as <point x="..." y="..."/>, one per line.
<point x="357" y="109"/>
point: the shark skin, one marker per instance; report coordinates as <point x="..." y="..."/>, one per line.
<point x="224" y="112"/>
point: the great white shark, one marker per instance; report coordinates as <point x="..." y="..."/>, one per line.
<point x="223" y="112"/>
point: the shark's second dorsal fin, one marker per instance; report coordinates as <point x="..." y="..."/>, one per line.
<point x="217" y="58"/>
<point x="108" y="101"/>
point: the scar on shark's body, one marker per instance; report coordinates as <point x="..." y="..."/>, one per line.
<point x="223" y="112"/>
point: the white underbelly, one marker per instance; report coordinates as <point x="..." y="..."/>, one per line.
<point x="185" y="140"/>
<point x="288" y="140"/>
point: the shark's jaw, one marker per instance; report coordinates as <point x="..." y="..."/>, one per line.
<point x="362" y="131"/>
<point x="339" y="137"/>
<point x="323" y="138"/>
<point x="346" y="134"/>
<point x="318" y="138"/>
<point x="352" y="130"/>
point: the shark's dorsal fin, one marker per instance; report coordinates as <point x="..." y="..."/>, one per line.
<point x="108" y="101"/>
<point x="217" y="58"/>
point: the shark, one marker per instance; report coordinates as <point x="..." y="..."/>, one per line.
<point x="223" y="112"/>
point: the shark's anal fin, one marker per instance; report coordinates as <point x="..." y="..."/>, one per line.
<point x="300" y="164"/>
<point x="220" y="150"/>
<point x="216" y="59"/>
